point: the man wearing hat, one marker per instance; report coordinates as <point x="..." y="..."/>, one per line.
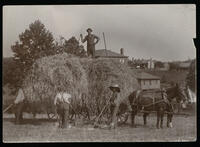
<point x="90" y="38"/>
<point x="114" y="104"/>
<point x="62" y="103"/>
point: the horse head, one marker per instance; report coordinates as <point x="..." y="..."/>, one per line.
<point x="179" y="93"/>
<point x="181" y="96"/>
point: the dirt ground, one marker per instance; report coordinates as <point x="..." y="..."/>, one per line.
<point x="43" y="130"/>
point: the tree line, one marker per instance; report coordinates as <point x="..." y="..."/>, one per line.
<point x="36" y="42"/>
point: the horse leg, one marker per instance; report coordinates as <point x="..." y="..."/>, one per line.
<point x="87" y="112"/>
<point x="161" y="117"/>
<point x="34" y="115"/>
<point x="168" y="120"/>
<point x="21" y="116"/>
<point x="59" y="120"/>
<point x="145" y="118"/>
<point x="133" y="119"/>
<point x="158" y="119"/>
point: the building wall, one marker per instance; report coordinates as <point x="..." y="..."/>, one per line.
<point x="149" y="84"/>
<point x="120" y="60"/>
<point x="123" y="60"/>
<point x="150" y="64"/>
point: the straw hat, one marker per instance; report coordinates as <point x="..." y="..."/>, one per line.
<point x="89" y="29"/>
<point x="115" y="86"/>
<point x="164" y="90"/>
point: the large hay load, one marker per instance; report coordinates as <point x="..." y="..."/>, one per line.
<point x="78" y="76"/>
<point x="49" y="73"/>
<point x="102" y="73"/>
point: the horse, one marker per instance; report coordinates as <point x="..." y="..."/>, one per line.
<point x="155" y="101"/>
<point x="33" y="108"/>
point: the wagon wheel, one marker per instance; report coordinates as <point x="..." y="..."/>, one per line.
<point x="51" y="115"/>
<point x="122" y="118"/>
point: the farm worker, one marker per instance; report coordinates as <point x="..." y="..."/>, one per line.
<point x="19" y="104"/>
<point x="169" y="104"/>
<point x="20" y="96"/>
<point x="164" y="95"/>
<point x="114" y="104"/>
<point x="62" y="103"/>
<point x="90" y="38"/>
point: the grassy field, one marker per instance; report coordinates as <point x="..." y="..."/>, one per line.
<point x="43" y="130"/>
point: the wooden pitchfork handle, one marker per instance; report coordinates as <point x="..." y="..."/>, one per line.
<point x="8" y="108"/>
<point x="97" y="119"/>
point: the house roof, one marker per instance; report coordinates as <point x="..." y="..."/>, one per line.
<point x="147" y="76"/>
<point x="184" y="64"/>
<point x="108" y="54"/>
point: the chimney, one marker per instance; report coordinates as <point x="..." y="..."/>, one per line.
<point x="122" y="51"/>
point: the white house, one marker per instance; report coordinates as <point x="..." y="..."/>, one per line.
<point x="148" y="81"/>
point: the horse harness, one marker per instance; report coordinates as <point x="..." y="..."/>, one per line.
<point x="164" y="99"/>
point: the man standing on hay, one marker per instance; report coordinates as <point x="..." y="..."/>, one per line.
<point x="114" y="104"/>
<point x="62" y="103"/>
<point x="90" y="38"/>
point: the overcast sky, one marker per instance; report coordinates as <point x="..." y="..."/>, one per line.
<point x="163" y="32"/>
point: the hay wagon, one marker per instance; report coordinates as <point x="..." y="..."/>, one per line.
<point x="83" y="114"/>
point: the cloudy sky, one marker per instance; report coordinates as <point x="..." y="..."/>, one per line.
<point x="163" y="32"/>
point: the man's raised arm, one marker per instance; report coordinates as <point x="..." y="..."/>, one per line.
<point x="82" y="40"/>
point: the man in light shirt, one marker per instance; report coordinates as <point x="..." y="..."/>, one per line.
<point x="114" y="104"/>
<point x="20" y="96"/>
<point x="19" y="105"/>
<point x="62" y="103"/>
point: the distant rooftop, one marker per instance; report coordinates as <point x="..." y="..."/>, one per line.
<point x="108" y="53"/>
<point x="147" y="76"/>
<point x="184" y="64"/>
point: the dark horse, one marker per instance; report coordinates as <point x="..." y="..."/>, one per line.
<point x="33" y="107"/>
<point x="153" y="100"/>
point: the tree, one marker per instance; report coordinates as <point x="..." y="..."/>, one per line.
<point x="159" y="64"/>
<point x="70" y="46"/>
<point x="11" y="72"/>
<point x="35" y="42"/>
<point x="164" y="79"/>
<point x="191" y="76"/>
<point x="173" y="66"/>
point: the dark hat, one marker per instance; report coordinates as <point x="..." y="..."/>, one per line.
<point x="89" y="29"/>
<point x="59" y="88"/>
<point x="115" y="86"/>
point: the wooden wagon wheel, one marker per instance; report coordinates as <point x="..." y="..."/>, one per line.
<point x="51" y="115"/>
<point x="122" y="118"/>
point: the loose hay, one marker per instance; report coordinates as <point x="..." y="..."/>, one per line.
<point x="78" y="76"/>
<point x="49" y="73"/>
<point x="103" y="73"/>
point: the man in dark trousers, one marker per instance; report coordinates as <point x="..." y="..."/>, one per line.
<point x="114" y="104"/>
<point x="62" y="103"/>
<point x="90" y="38"/>
<point x="19" y="104"/>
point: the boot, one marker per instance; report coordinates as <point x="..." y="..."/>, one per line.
<point x="112" y="125"/>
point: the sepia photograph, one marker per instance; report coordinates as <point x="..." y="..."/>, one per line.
<point x="99" y="73"/>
